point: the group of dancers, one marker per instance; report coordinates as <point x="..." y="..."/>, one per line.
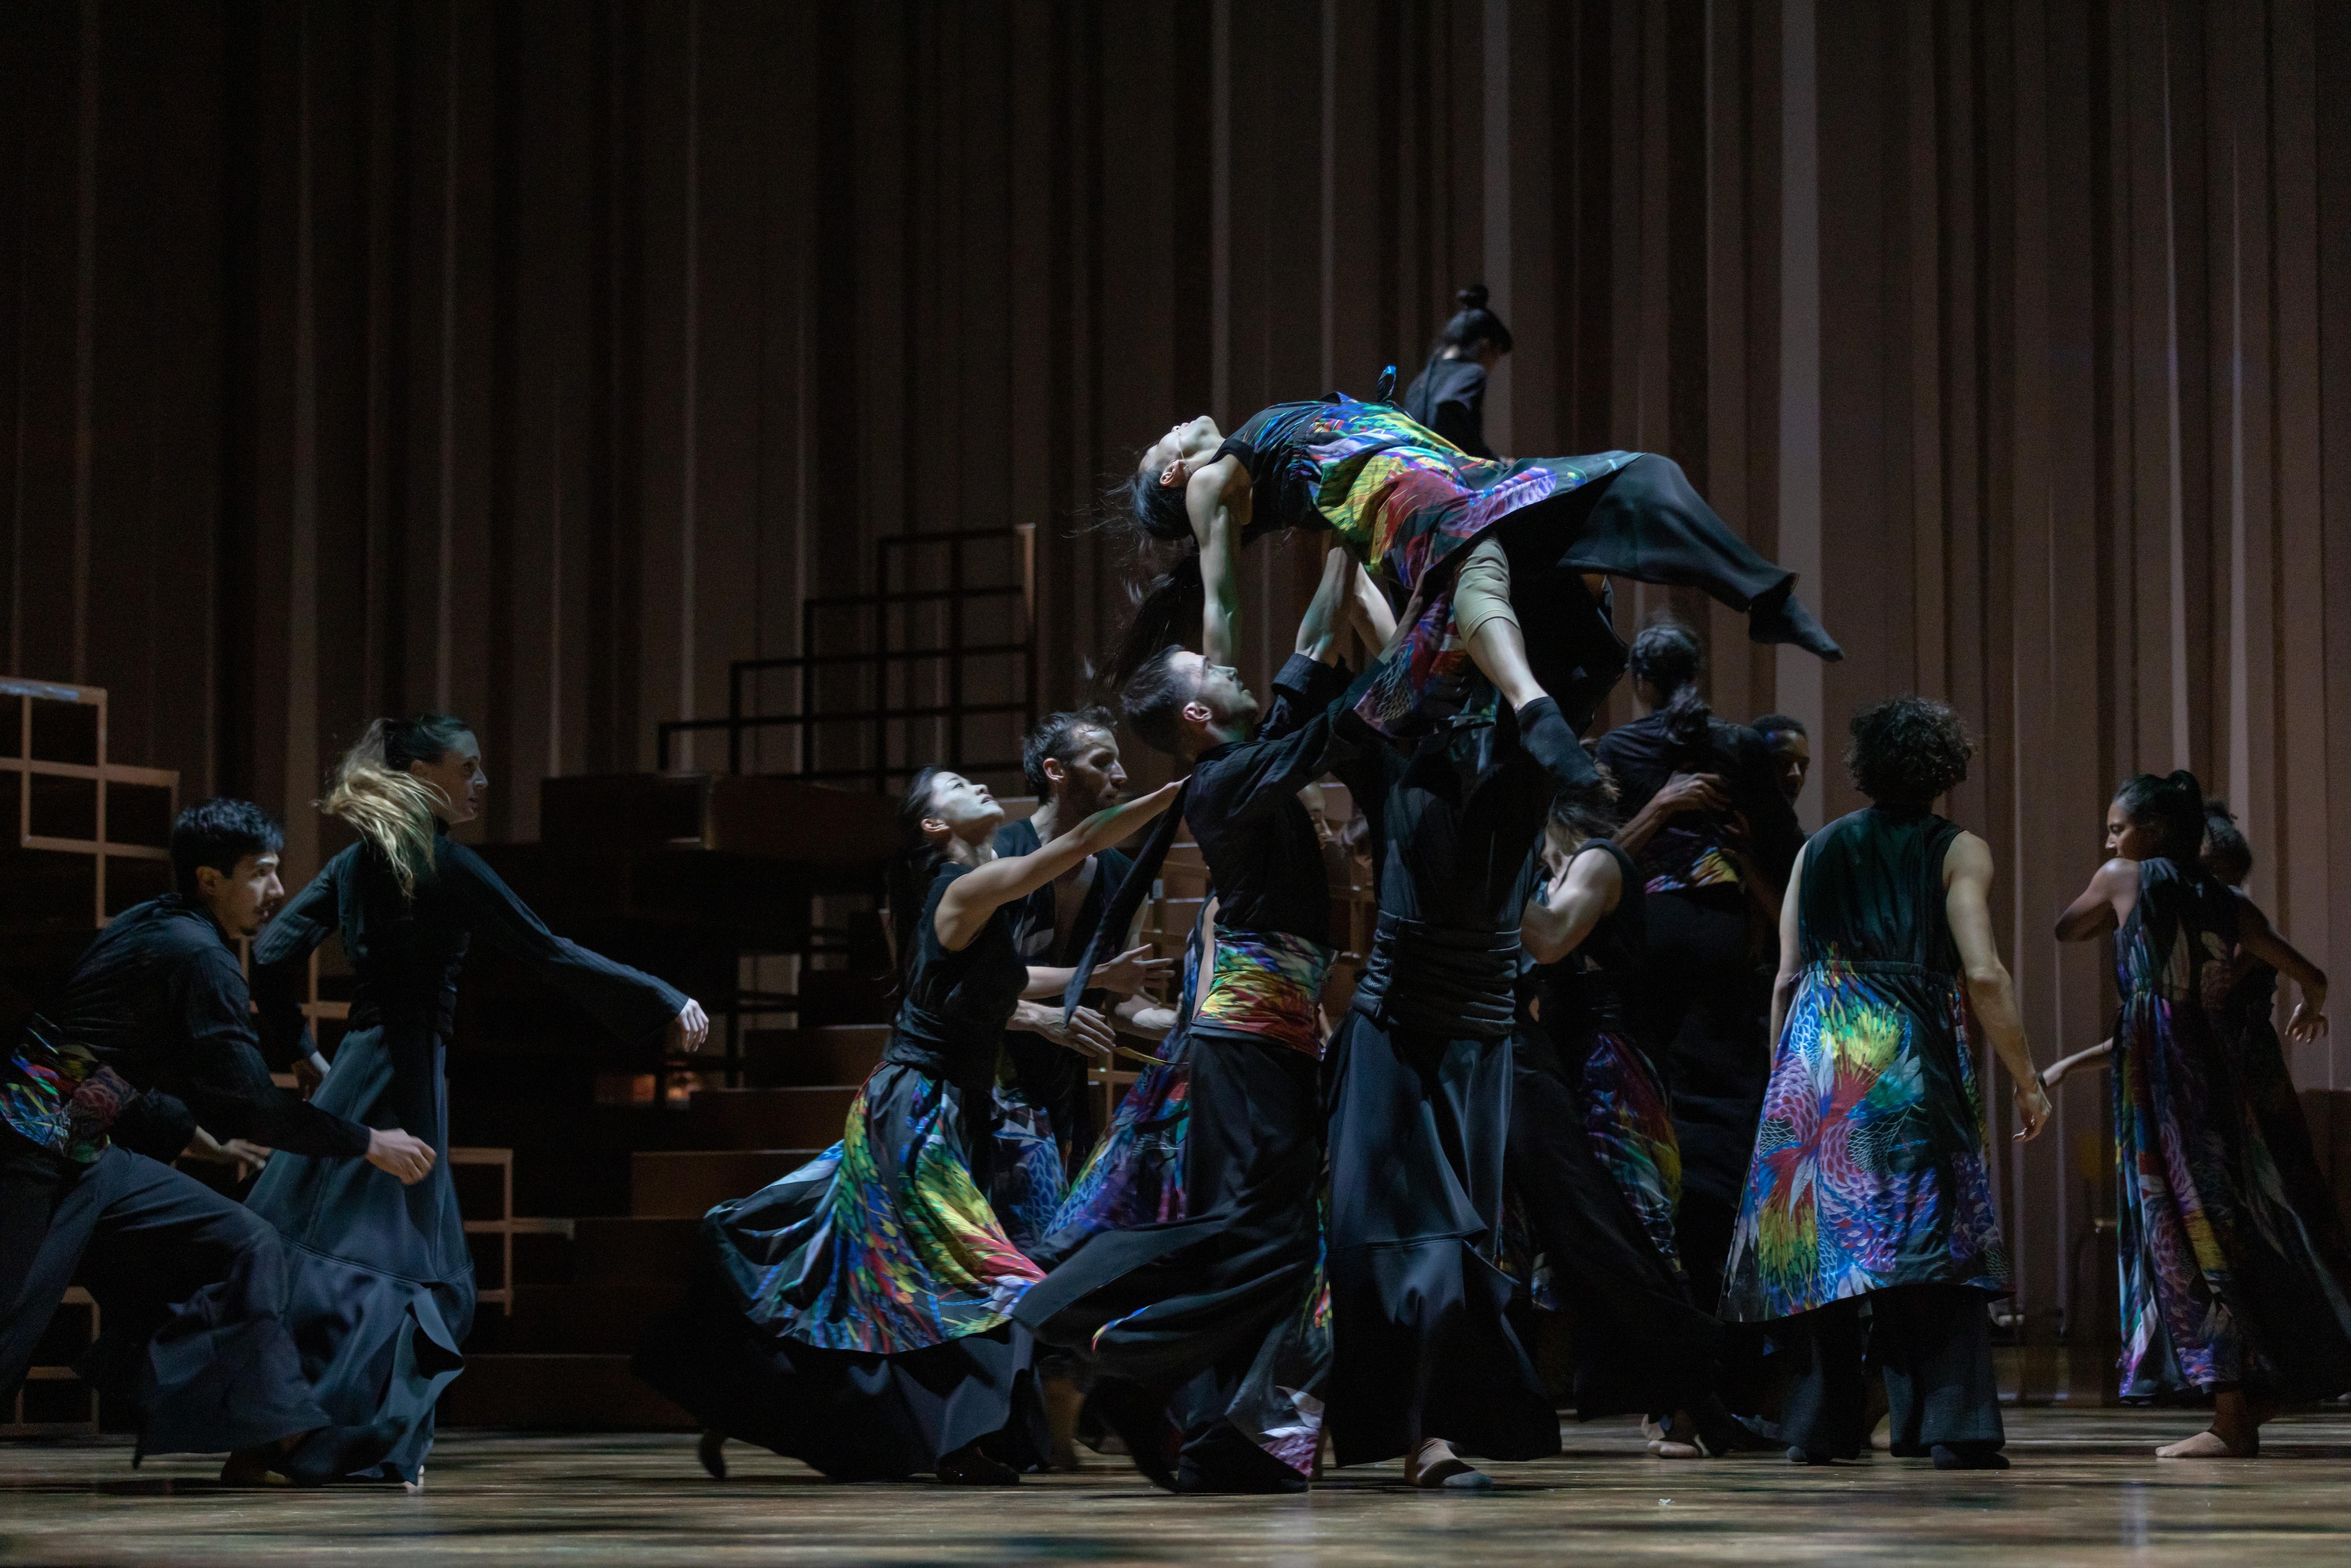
<point x="1626" y="1048"/>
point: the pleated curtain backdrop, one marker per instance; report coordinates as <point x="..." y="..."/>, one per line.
<point x="536" y="361"/>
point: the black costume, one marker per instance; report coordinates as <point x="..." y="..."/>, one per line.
<point x="1705" y="934"/>
<point x="1593" y="1173"/>
<point x="1211" y="1314"/>
<point x="190" y="1286"/>
<point x="1449" y="397"/>
<point x="855" y="1314"/>
<point x="1419" y="1084"/>
<point x="384" y="1290"/>
<point x="1049" y="1076"/>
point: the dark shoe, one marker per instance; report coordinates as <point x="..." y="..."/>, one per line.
<point x="1140" y="1419"/>
<point x="1968" y="1456"/>
<point x="968" y="1467"/>
<point x="1810" y="1457"/>
<point x="336" y="1453"/>
<point x="712" y="1451"/>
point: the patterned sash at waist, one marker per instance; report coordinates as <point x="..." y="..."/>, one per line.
<point x="1441" y="979"/>
<point x="55" y="1093"/>
<point x="1267" y="983"/>
<point x="1708" y="867"/>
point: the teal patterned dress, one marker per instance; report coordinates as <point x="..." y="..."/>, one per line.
<point x="2232" y="1256"/>
<point x="1869" y="1168"/>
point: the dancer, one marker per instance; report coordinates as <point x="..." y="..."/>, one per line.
<point x="1448" y="396"/>
<point x="1215" y="1304"/>
<point x="2229" y="1288"/>
<point x="1071" y="764"/>
<point x="1594" y="1166"/>
<point x="1791" y="751"/>
<point x="1869" y="1181"/>
<point x="856" y="1315"/>
<point x="190" y="1286"/>
<point x="384" y="1290"/>
<point x="1453" y="532"/>
<point x="1714" y="878"/>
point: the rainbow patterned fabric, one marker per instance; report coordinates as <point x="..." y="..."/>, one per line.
<point x="1406" y="501"/>
<point x="885" y="1243"/>
<point x="54" y="1093"/>
<point x="1026" y="1191"/>
<point x="1869" y="1163"/>
<point x="1711" y="868"/>
<point x="1630" y="1123"/>
<point x="1267" y="983"/>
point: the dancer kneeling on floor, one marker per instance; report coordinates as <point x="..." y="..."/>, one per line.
<point x="856" y="1315"/>
<point x="1869" y="1183"/>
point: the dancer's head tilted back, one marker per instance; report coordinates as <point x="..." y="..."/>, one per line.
<point x="1579" y="814"/>
<point x="1666" y="663"/>
<point x="1905" y="751"/>
<point x="942" y="817"/>
<point x="1474" y="332"/>
<point x="1154" y="494"/>
<point x="401" y="775"/>
<point x="2154" y="817"/>
<point x="225" y="857"/>
<point x="1071" y="760"/>
<point x="1180" y="702"/>
<point x="2226" y="854"/>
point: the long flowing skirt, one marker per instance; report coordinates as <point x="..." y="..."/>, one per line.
<point x="1422" y="1343"/>
<point x="382" y="1282"/>
<point x="2233" y="1270"/>
<point x="1135" y="1176"/>
<point x="855" y="1315"/>
<point x="1869" y="1165"/>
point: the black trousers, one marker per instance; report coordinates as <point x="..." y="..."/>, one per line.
<point x="1933" y="1345"/>
<point x="191" y="1290"/>
<point x="1422" y="1344"/>
<point x="1642" y="1343"/>
<point x="1200" y="1315"/>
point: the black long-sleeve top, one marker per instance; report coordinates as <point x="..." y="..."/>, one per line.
<point x="406" y="951"/>
<point x="1644" y="755"/>
<point x="1264" y="858"/>
<point x="1457" y="819"/>
<point x="159" y="998"/>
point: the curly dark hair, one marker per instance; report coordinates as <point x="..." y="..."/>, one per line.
<point x="1906" y="750"/>
<point x="2226" y="855"/>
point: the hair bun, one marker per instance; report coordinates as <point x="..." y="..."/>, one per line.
<point x="1473" y="298"/>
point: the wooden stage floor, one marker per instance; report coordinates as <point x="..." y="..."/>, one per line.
<point x="2085" y="1489"/>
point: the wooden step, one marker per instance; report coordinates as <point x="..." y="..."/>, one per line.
<point x="812" y="1058"/>
<point x="558" y="1394"/>
<point x="669" y="1184"/>
<point x="575" y="1319"/>
<point x="802" y="1118"/>
<point x="632" y="1250"/>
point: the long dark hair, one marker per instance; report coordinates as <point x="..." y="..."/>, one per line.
<point x="913" y="867"/>
<point x="1666" y="654"/>
<point x="2173" y="805"/>
<point x="371" y="789"/>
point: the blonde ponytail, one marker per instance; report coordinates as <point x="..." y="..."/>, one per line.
<point x="387" y="805"/>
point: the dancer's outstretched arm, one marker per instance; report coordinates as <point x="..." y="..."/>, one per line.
<point x="965" y="905"/>
<point x="2261" y="939"/>
<point x="1217" y="500"/>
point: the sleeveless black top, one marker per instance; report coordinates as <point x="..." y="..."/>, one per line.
<point x="950" y="1023"/>
<point x="1602" y="984"/>
<point x="1874" y="891"/>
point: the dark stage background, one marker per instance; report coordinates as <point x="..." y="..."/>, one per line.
<point x="537" y="360"/>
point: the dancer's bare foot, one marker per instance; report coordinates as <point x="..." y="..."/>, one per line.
<point x="1063" y="1400"/>
<point x="1433" y="1466"/>
<point x="2206" y="1445"/>
<point x="1677" y="1439"/>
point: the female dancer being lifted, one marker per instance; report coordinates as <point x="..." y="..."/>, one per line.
<point x="1500" y="559"/>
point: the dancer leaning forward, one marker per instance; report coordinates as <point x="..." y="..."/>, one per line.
<point x="155" y="1032"/>
<point x="1208" y="1332"/>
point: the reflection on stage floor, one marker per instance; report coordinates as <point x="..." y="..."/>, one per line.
<point x="2087" y="1488"/>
